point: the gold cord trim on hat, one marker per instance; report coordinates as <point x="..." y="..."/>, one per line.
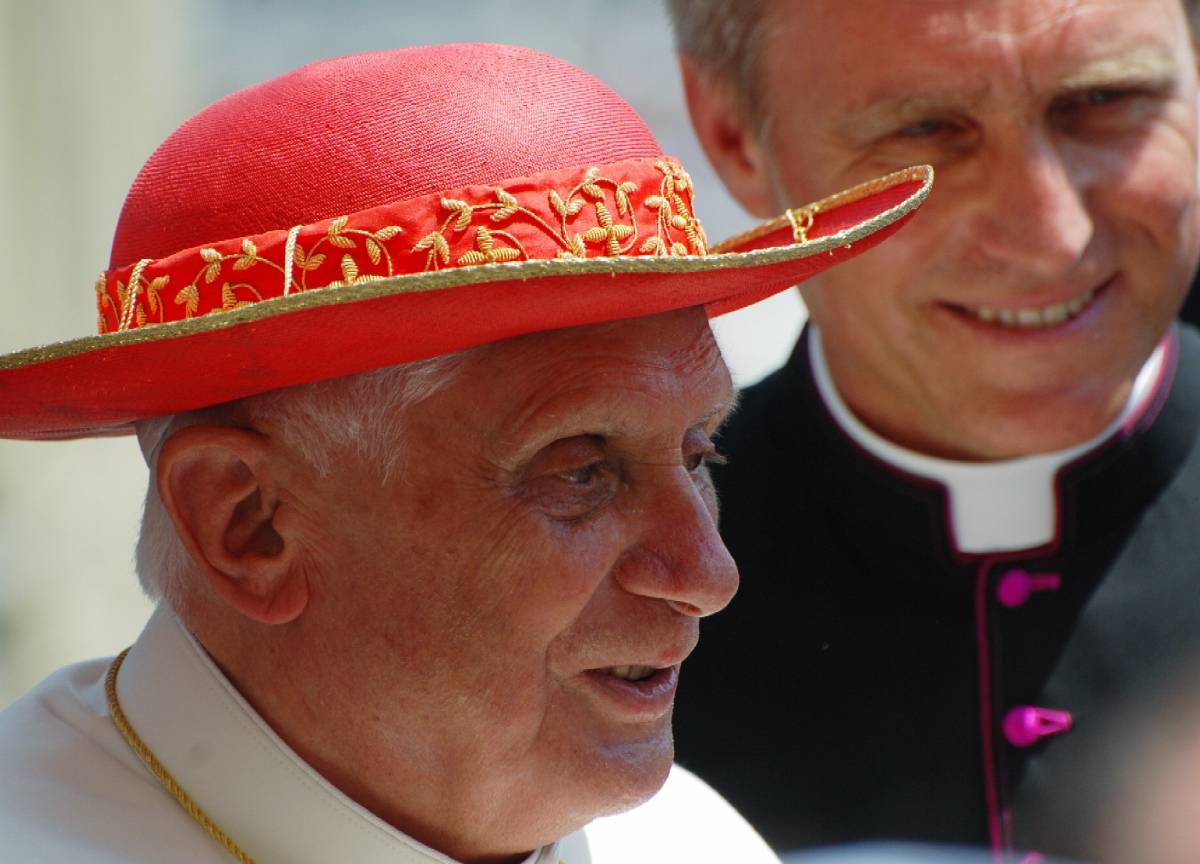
<point x="802" y="221"/>
<point x="720" y="257"/>
<point x="143" y="752"/>
<point x="917" y="173"/>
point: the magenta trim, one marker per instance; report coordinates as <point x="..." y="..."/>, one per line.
<point x="1150" y="407"/>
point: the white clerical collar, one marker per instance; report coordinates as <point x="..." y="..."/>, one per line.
<point x="994" y="506"/>
<point x="251" y="784"/>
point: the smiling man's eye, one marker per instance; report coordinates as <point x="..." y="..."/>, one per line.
<point x="1103" y="96"/>
<point x="1102" y="111"/>
<point x="925" y="128"/>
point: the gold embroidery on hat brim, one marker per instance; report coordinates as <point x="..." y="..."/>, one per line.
<point x="617" y="222"/>
<point x="440" y="280"/>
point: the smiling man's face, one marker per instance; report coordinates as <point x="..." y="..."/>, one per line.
<point x="1061" y="235"/>
<point x="507" y="616"/>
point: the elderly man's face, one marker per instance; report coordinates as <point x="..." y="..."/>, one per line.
<point x="1061" y="234"/>
<point x="509" y="612"/>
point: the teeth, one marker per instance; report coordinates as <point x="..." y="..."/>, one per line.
<point x="632" y="673"/>
<point x="1047" y="316"/>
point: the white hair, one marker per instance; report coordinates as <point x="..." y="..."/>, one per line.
<point x="360" y="417"/>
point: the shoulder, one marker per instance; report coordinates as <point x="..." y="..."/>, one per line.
<point x="686" y="821"/>
<point x="63" y="721"/>
<point x="71" y="790"/>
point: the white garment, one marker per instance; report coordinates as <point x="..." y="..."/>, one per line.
<point x="71" y="790"/>
<point x="999" y="506"/>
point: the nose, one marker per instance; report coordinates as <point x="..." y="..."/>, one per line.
<point x="680" y="557"/>
<point x="1032" y="212"/>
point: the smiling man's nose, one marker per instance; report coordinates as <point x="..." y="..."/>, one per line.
<point x="1033" y="212"/>
<point x="680" y="557"/>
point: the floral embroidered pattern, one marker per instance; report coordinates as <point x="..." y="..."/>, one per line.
<point x="636" y="208"/>
<point x="674" y="213"/>
<point x="608" y="236"/>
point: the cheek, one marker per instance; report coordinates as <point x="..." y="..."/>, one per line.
<point x="1157" y="188"/>
<point x="1152" y="217"/>
<point x="574" y="559"/>
<point x="532" y="576"/>
<point x="866" y="302"/>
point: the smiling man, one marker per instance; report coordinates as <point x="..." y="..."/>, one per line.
<point x="964" y="512"/>
<point x="427" y="390"/>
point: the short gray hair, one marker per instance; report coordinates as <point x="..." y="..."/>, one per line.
<point x="360" y="417"/>
<point x="724" y="39"/>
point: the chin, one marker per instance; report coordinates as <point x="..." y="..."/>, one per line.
<point x="631" y="773"/>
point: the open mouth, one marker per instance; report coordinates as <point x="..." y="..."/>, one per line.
<point x="632" y="673"/>
<point x="1031" y="318"/>
<point x="634" y="693"/>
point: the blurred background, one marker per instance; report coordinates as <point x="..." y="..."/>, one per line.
<point x="87" y="91"/>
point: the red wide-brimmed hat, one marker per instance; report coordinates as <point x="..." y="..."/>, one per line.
<point x="390" y="207"/>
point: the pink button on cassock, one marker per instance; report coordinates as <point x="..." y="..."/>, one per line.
<point x="1025" y="725"/>
<point x="1016" y="585"/>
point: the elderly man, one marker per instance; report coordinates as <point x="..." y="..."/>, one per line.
<point x="416" y="347"/>
<point x="965" y="511"/>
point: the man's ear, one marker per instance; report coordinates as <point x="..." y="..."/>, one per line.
<point x="730" y="143"/>
<point x="217" y="485"/>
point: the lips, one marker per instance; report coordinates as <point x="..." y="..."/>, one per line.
<point x="631" y="673"/>
<point x="632" y="694"/>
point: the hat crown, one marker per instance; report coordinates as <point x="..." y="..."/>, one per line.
<point x="356" y="132"/>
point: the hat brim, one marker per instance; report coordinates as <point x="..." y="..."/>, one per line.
<point x="100" y="385"/>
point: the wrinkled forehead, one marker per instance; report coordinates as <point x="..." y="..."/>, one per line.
<point x="662" y="371"/>
<point x="680" y="340"/>
<point x="877" y="34"/>
<point x="870" y="50"/>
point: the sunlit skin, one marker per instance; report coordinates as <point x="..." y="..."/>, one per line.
<point x="1063" y="133"/>
<point x="550" y="517"/>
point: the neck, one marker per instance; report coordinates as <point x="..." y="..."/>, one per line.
<point x="387" y="768"/>
<point x="980" y="427"/>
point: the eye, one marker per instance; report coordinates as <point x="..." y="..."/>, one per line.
<point x="582" y="476"/>
<point x="699" y="451"/>
<point x="936" y="138"/>
<point x="571" y="479"/>
<point x="702" y="459"/>
<point x="1103" y="96"/>
<point x="926" y="128"/>
<point x="1106" y="111"/>
<point x="1096" y="97"/>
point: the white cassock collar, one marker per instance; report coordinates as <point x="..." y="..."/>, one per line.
<point x="994" y="506"/>
<point x="256" y="789"/>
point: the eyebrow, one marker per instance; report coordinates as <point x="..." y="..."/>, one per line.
<point x="1146" y="66"/>
<point x="722" y="410"/>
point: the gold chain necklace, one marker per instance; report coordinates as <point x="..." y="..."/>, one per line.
<point x="138" y="746"/>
